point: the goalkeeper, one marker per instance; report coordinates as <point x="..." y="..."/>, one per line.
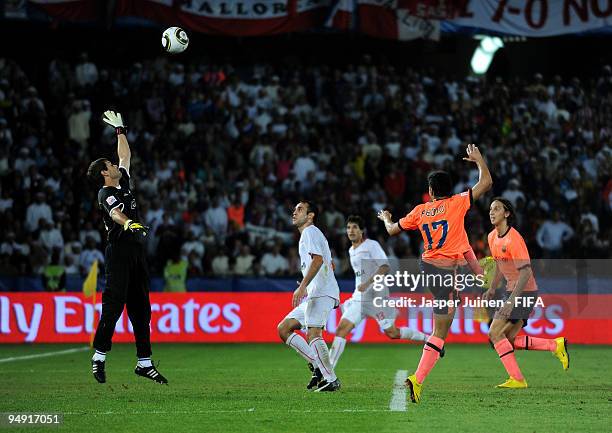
<point x="127" y="276"/>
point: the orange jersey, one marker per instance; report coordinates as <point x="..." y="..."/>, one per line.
<point x="511" y="255"/>
<point x="441" y="223"/>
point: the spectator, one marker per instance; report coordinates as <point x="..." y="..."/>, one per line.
<point x="37" y="211"/>
<point x="6" y="202"/>
<point x="89" y="254"/>
<point x="193" y="245"/>
<point x="294" y="262"/>
<point x="513" y="193"/>
<point x="50" y="236"/>
<point x="591" y="246"/>
<point x="86" y="72"/>
<point x="17" y="252"/>
<point x="273" y="263"/>
<point x="244" y="262"/>
<point x="78" y="123"/>
<point x="220" y="264"/>
<point x="175" y="274"/>
<point x="395" y="183"/>
<point x="89" y="231"/>
<point x="551" y="236"/>
<point x="54" y="274"/>
<point x="235" y="213"/>
<point x="215" y="217"/>
<point x="302" y="166"/>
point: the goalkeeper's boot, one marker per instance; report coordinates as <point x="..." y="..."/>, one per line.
<point x="561" y="352"/>
<point x="415" y="388"/>
<point x="97" y="368"/>
<point x="317" y="376"/>
<point x="150" y="373"/>
<point x="513" y="383"/>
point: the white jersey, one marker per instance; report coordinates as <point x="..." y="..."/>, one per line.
<point x="365" y="261"/>
<point x="312" y="241"/>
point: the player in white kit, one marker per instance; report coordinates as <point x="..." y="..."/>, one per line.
<point x="323" y="295"/>
<point x="367" y="260"/>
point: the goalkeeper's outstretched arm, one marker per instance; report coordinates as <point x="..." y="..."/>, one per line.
<point x="123" y="148"/>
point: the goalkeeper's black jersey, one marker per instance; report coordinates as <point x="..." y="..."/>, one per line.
<point x="121" y="198"/>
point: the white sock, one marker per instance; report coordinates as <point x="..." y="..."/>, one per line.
<point x="301" y="347"/>
<point x="99" y="356"/>
<point x="336" y="350"/>
<point x="321" y="353"/>
<point x="144" y="362"/>
<point x="411" y="334"/>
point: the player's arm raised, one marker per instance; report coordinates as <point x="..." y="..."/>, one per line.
<point x="123" y="148"/>
<point x="485" y="182"/>
<point x="300" y="292"/>
<point x="392" y="228"/>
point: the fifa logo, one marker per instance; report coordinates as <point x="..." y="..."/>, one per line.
<point x="528" y="301"/>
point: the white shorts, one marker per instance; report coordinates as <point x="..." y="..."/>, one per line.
<point x="313" y="312"/>
<point x="355" y="311"/>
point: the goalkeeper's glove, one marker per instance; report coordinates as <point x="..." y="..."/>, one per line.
<point x="114" y="120"/>
<point x="136" y="228"/>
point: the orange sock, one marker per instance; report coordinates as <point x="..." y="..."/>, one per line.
<point x="506" y="355"/>
<point x="533" y="343"/>
<point x="431" y="354"/>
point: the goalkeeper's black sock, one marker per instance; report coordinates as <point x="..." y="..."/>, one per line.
<point x="144" y="362"/>
<point x="99" y="356"/>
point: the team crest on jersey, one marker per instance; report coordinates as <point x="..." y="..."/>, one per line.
<point x="133" y="205"/>
<point x="504" y="248"/>
<point x="110" y="200"/>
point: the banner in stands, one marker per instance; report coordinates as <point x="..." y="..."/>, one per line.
<point x="15" y="9"/>
<point x="71" y="10"/>
<point x="536" y="18"/>
<point x="253" y="317"/>
<point x="395" y="19"/>
<point x="232" y="18"/>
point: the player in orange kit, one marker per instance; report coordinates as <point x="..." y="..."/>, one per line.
<point x="441" y="222"/>
<point x="512" y="259"/>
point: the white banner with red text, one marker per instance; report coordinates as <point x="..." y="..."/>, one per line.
<point x="535" y="18"/>
<point x="253" y="317"/>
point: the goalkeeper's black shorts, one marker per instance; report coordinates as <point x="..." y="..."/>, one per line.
<point x="127" y="284"/>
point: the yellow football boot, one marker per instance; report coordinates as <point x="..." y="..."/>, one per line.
<point x="415" y="388"/>
<point x="513" y="383"/>
<point x="561" y="352"/>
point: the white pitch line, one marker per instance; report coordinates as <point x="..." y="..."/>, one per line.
<point x="199" y="412"/>
<point x="398" y="398"/>
<point x="44" y="355"/>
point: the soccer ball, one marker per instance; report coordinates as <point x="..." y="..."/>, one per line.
<point x="175" y="40"/>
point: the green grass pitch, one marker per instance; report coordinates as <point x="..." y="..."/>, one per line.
<point x="248" y="387"/>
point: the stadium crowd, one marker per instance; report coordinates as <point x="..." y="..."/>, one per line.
<point x="222" y="154"/>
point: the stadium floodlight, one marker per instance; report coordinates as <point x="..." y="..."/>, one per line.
<point x="483" y="55"/>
